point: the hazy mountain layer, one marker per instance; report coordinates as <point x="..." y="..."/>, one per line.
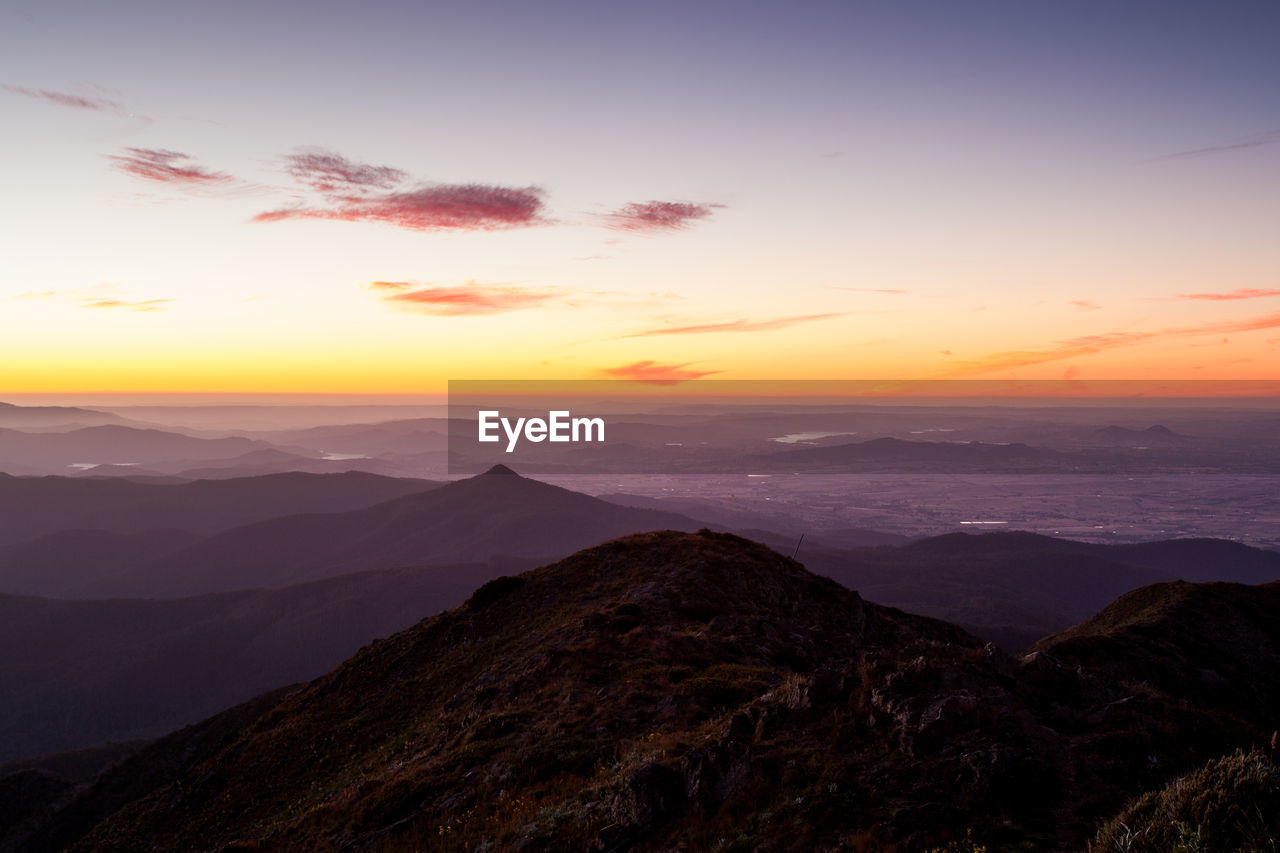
<point x="31" y="507"/>
<point x="79" y="673"/>
<point x="492" y="516"/>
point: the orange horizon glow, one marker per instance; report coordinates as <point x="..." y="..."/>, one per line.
<point x="807" y="211"/>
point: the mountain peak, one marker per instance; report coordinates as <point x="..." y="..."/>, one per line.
<point x="500" y="469"/>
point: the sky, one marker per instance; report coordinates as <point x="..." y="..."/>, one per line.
<point x="341" y="198"/>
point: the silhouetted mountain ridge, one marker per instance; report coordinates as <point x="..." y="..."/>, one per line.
<point x="675" y="689"/>
<point x="494" y="515"/>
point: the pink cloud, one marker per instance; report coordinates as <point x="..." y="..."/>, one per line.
<point x="653" y="216"/>
<point x="67" y="100"/>
<point x="472" y="207"/>
<point x="170" y="167"/>
<point x="472" y="299"/>
<point x="736" y="326"/>
<point x="333" y="174"/>
<point x="1241" y="293"/>
<point x="1085" y="305"/>
<point x="656" y="373"/>
<point x="1092" y="344"/>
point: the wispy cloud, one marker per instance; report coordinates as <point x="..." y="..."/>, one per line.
<point x="454" y="301"/>
<point x="1269" y="137"/>
<point x="1241" y="293"/>
<point x="869" y="289"/>
<point x="1093" y="344"/>
<point x="170" y="167"/>
<point x="95" y="296"/>
<point x="1085" y="304"/>
<point x="735" y="326"/>
<point x="471" y="207"/>
<point x="653" y="216"/>
<point x="335" y="175"/>
<point x="142" y="305"/>
<point x="656" y="373"/>
<point x="65" y="99"/>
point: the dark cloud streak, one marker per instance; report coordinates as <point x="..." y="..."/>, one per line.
<point x="335" y="175"/>
<point x="1269" y="137"/>
<point x="656" y="216"/>
<point x="439" y="207"/>
<point x="67" y="100"/>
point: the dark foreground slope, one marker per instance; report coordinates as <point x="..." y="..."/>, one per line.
<point x="660" y="690"/>
<point x="1211" y="643"/>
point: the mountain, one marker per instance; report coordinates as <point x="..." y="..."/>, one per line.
<point x="78" y="673"/>
<point x="31" y="507"/>
<point x="415" y="435"/>
<point x="56" y="452"/>
<point x="663" y="691"/>
<point x="60" y="565"/>
<point x="1152" y="435"/>
<point x="491" y="516"/>
<point x="1205" y="642"/>
<point x="1015" y="587"/>
<point x="260" y="462"/>
<point x="52" y="417"/>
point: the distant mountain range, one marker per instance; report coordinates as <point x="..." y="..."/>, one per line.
<point x="1155" y="434"/>
<point x="673" y="689"/>
<point x="442" y="542"/>
<point x="52" y="417"/>
<point x="107" y="668"/>
<point x="219" y="442"/>
<point x="112" y="444"/>
<point x="31" y="507"/>
<point x="493" y="516"/>
<point x="121" y="449"/>
<point x="1016" y="587"/>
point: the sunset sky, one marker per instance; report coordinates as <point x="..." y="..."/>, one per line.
<point x="338" y="197"/>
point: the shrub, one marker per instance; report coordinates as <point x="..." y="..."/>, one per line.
<point x="1229" y="804"/>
